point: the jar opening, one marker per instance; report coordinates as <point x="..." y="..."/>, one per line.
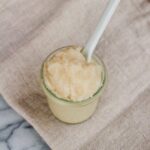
<point x="88" y="100"/>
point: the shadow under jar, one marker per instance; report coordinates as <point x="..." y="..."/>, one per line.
<point x="73" y="111"/>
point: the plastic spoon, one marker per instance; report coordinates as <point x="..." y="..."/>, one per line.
<point x="104" y="20"/>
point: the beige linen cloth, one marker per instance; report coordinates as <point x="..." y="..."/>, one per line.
<point x="30" y="30"/>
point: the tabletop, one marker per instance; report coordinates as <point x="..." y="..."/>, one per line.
<point x="16" y="133"/>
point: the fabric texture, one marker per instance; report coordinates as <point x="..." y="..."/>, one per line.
<point x="30" y="30"/>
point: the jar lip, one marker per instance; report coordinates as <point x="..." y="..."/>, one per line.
<point x="69" y="101"/>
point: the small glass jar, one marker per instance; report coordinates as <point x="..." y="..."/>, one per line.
<point x="73" y="111"/>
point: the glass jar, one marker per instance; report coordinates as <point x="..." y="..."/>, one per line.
<point x="73" y="111"/>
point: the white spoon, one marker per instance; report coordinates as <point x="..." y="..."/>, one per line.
<point x="104" y="20"/>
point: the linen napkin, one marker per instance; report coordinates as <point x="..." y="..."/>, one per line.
<point x="30" y="30"/>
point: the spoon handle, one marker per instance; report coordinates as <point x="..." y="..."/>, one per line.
<point x="104" y="20"/>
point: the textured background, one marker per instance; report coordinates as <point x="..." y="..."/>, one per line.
<point x="30" y="30"/>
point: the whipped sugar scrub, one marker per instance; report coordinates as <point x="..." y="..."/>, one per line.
<point x="72" y="85"/>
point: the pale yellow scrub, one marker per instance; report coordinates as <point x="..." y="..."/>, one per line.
<point x="69" y="76"/>
<point x="72" y="85"/>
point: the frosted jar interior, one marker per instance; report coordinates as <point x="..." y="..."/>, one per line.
<point x="71" y="112"/>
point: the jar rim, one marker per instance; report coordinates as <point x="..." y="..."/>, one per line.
<point x="88" y="100"/>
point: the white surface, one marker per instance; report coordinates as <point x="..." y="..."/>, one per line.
<point x="104" y="20"/>
<point x="16" y="133"/>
